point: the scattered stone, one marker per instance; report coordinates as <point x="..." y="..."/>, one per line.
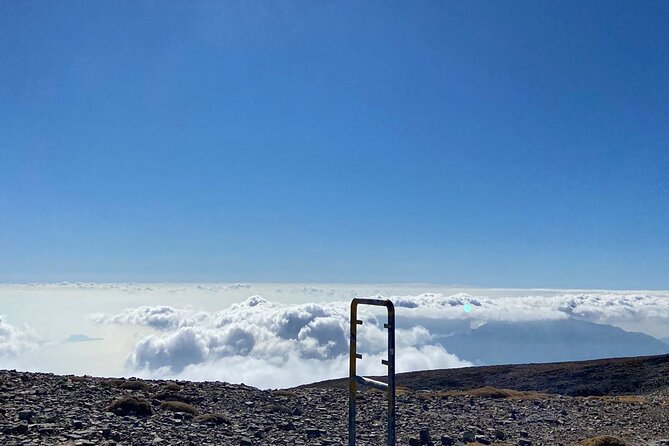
<point x="424" y="437"/>
<point x="468" y="436"/>
<point x="26" y="415"/>
<point x="313" y="432"/>
<point x="603" y="440"/>
<point x="18" y="429"/>
<point x="482" y="439"/>
<point x="286" y="426"/>
<point x="447" y="441"/>
<point x="75" y="411"/>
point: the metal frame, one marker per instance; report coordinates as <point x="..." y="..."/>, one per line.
<point x="354" y="379"/>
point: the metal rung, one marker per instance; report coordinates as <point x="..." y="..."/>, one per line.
<point x="358" y="355"/>
<point x="386" y="326"/>
<point x="384" y="362"/>
<point x="358" y="321"/>
<point x="371" y="382"/>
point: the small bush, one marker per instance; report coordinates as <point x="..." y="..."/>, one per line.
<point x="603" y="440"/>
<point x="79" y="379"/>
<point x="134" y="385"/>
<point x="173" y="387"/>
<point x="212" y="418"/>
<point x="588" y="391"/>
<point x="178" y="406"/>
<point x="129" y="405"/>
<point x="171" y="396"/>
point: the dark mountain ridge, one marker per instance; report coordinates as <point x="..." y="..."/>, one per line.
<point x="549" y="341"/>
<point x="617" y="376"/>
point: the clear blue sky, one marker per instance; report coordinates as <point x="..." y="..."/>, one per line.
<point x="512" y="144"/>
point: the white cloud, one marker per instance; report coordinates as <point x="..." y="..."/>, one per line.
<point x="268" y="344"/>
<point x="14" y="340"/>
<point x="161" y="317"/>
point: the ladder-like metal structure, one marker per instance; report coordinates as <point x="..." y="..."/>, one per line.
<point x="354" y="379"/>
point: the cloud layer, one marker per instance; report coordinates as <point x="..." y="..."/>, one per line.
<point x="268" y="344"/>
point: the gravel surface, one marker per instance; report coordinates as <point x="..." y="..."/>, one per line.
<point x="46" y="409"/>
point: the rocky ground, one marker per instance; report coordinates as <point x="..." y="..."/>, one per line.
<point x="45" y="409"/>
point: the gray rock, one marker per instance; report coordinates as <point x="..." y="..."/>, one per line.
<point x="447" y="441"/>
<point x="468" y="436"/>
<point x="313" y="432"/>
<point x="424" y="436"/>
<point x="26" y="415"/>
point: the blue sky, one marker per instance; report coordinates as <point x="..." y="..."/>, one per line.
<point x="510" y="144"/>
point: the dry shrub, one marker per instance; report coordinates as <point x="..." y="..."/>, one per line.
<point x="171" y="396"/>
<point x="129" y="405"/>
<point x="79" y="379"/>
<point x="172" y="387"/>
<point x="113" y="382"/>
<point x="178" y="406"/>
<point x="603" y="440"/>
<point x="134" y="385"/>
<point x="212" y="418"/>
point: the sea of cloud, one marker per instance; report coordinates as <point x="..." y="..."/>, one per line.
<point x="275" y="335"/>
<point x="271" y="344"/>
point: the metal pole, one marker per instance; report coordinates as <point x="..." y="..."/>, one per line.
<point x="391" y="374"/>
<point x="353" y="378"/>
<point x="351" y="374"/>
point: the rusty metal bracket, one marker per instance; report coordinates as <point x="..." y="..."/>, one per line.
<point x="354" y="379"/>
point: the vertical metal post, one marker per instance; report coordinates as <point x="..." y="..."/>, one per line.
<point x="391" y="374"/>
<point x="352" y="388"/>
<point x="353" y="378"/>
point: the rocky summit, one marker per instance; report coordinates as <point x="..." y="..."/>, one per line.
<point x="47" y="409"/>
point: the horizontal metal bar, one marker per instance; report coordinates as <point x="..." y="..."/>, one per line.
<point x="358" y="321"/>
<point x="371" y="382"/>
<point x="384" y="362"/>
<point x="375" y="302"/>
<point x="358" y="355"/>
<point x="386" y="326"/>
